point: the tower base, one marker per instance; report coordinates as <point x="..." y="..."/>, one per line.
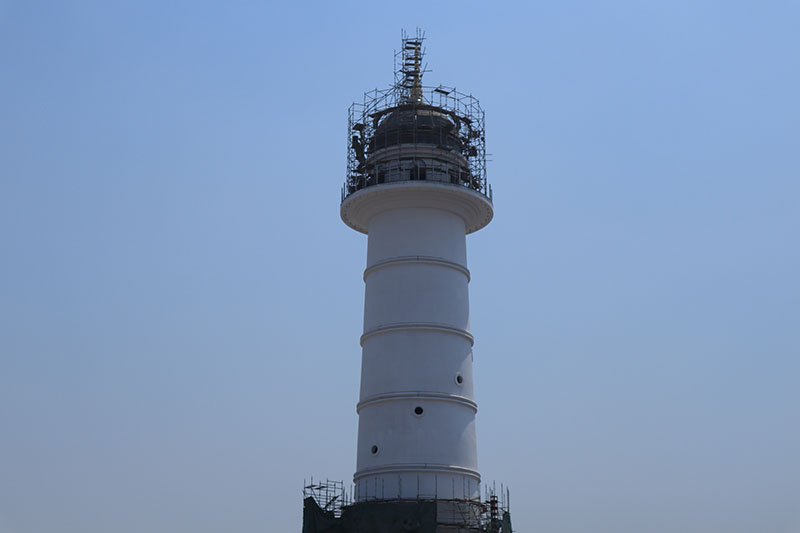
<point x="401" y="516"/>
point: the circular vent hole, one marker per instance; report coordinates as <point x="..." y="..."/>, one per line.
<point x="459" y="379"/>
<point x="374" y="449"/>
<point x="418" y="410"/>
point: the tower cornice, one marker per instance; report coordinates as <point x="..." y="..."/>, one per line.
<point x="474" y="208"/>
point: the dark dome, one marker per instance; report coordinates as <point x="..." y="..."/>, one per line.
<point x="412" y="124"/>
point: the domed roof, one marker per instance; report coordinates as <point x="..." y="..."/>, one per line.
<point x="410" y="115"/>
<point x="413" y="124"/>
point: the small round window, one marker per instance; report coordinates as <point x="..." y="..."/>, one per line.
<point x="459" y="379"/>
<point x="418" y="410"/>
<point x="374" y="449"/>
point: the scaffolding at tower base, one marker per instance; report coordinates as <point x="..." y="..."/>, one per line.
<point x="329" y="495"/>
<point x="328" y="508"/>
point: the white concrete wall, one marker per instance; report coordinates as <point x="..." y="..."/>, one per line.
<point x="416" y="354"/>
<point x="417" y="231"/>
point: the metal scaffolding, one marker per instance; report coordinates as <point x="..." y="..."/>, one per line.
<point x="329" y="495"/>
<point x="441" y="117"/>
<point x="338" y="512"/>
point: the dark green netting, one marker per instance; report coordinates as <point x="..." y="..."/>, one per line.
<point x="371" y="517"/>
<point x="387" y="517"/>
<point x="506" y="525"/>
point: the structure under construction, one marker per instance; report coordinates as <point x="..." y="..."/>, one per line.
<point x="416" y="186"/>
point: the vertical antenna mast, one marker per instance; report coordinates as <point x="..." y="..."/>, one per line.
<point x="409" y="75"/>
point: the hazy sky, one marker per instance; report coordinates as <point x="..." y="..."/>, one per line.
<point x="180" y="305"/>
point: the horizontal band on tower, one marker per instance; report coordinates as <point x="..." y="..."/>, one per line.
<point x="417" y="326"/>
<point x="417" y="260"/>
<point x="417" y="395"/>
<point x="422" y="468"/>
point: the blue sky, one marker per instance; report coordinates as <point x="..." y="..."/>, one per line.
<point x="180" y="304"/>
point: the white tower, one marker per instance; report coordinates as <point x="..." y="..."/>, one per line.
<point x="416" y="186"/>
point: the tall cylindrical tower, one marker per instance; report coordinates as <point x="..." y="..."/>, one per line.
<point x="416" y="186"/>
